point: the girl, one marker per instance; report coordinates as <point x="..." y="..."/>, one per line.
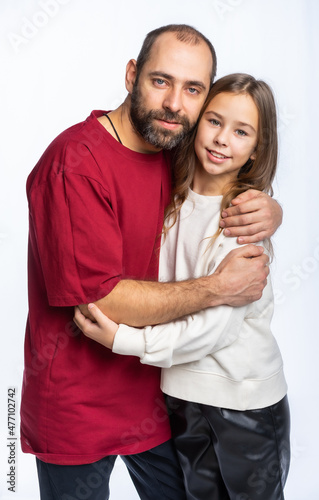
<point x="222" y="369"/>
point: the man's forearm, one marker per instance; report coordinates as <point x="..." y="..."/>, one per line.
<point x="140" y="303"/>
<point x="238" y="280"/>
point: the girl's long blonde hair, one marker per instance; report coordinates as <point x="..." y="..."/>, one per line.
<point x="258" y="173"/>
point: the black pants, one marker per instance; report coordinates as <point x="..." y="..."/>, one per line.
<point x="232" y="455"/>
<point x="156" y="475"/>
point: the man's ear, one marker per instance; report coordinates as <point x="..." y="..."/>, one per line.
<point x="130" y="75"/>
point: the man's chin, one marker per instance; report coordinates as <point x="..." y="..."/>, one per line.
<point x="164" y="138"/>
<point x="165" y="142"/>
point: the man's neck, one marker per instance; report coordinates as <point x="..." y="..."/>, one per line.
<point x="130" y="138"/>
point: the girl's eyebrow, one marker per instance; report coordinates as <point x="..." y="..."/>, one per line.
<point x="243" y="124"/>
<point x="240" y="124"/>
<point x="214" y="113"/>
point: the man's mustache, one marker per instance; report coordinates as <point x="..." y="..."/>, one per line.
<point x="169" y="116"/>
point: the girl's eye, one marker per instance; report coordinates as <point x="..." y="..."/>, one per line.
<point x="214" y="122"/>
<point x="242" y="133"/>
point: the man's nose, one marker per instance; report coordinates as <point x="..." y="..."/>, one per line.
<point x="173" y="100"/>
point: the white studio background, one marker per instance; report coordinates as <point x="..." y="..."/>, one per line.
<point x="62" y="58"/>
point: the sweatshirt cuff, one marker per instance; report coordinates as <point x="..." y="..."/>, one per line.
<point x="129" y="341"/>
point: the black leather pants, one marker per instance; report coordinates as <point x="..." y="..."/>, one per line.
<point x="232" y="455"/>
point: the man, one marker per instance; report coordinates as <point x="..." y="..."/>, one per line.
<point x="97" y="198"/>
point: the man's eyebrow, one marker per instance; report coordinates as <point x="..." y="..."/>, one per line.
<point x="240" y="124"/>
<point x="191" y="83"/>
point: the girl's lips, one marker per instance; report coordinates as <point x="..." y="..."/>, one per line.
<point x="217" y="157"/>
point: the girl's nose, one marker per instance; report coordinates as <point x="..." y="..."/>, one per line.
<point x="221" y="138"/>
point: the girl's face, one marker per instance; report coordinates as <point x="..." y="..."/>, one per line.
<point x="226" y="138"/>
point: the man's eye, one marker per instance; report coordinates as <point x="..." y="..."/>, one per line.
<point x="193" y="91"/>
<point x="159" y="81"/>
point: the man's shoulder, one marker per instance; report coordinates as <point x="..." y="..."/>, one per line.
<point x="69" y="150"/>
<point x="88" y="131"/>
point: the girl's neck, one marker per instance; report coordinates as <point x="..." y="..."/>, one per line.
<point x="209" y="185"/>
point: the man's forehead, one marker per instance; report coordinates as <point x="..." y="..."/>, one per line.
<point x="170" y="41"/>
<point x="170" y="55"/>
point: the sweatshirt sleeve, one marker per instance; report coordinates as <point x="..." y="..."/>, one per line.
<point x="192" y="337"/>
<point x="182" y="341"/>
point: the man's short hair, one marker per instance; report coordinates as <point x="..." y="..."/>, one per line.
<point x="184" y="33"/>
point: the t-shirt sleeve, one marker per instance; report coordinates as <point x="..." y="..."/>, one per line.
<point x="77" y="236"/>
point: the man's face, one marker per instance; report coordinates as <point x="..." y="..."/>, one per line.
<point x="170" y="91"/>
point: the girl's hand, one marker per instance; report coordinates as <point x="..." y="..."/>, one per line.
<point x="253" y="217"/>
<point x="103" y="331"/>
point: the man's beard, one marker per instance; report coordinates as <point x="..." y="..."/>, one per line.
<point x="143" y="122"/>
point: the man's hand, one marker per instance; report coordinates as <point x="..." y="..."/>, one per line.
<point x="253" y="217"/>
<point x="242" y="276"/>
<point x="103" y="329"/>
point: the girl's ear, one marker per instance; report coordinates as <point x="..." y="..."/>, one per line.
<point x="130" y="75"/>
<point x="253" y="155"/>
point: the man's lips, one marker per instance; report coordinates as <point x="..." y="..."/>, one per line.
<point x="169" y="125"/>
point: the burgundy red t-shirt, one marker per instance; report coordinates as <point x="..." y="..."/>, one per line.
<point x="96" y="211"/>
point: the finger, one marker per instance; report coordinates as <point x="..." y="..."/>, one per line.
<point x="78" y="318"/>
<point x="245" y="196"/>
<point x="248" y="230"/>
<point x="90" y="329"/>
<point x="101" y="319"/>
<point x="84" y="323"/>
<point x="250" y="251"/>
<point x="262" y="262"/>
<point x="244" y="207"/>
<point x="264" y="258"/>
<point x="245" y="221"/>
<point x="247" y="251"/>
<point x="96" y="313"/>
<point x="255" y="238"/>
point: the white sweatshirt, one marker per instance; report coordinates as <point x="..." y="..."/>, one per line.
<point x="222" y="356"/>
